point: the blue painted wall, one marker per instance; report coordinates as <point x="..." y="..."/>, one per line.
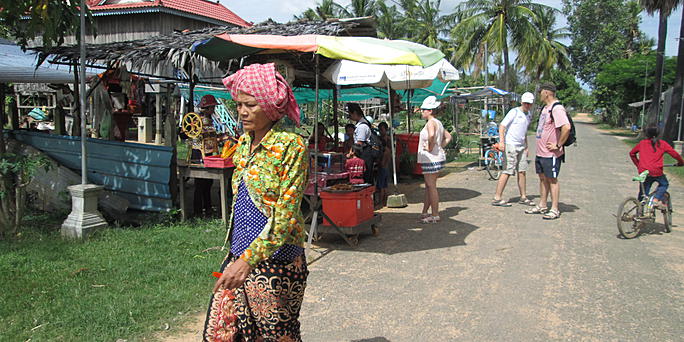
<point x="138" y="172"/>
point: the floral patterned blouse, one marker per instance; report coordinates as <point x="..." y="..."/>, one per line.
<point x="275" y="176"/>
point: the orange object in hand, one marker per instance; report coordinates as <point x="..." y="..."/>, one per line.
<point x="217" y="274"/>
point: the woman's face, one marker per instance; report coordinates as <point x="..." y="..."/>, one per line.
<point x="252" y="116"/>
<point x="425" y="113"/>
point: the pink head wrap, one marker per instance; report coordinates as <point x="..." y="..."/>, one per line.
<point x="270" y="89"/>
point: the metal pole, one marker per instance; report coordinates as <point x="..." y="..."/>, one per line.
<point x="391" y="129"/>
<point x="643" y="105"/>
<point x="84" y="163"/>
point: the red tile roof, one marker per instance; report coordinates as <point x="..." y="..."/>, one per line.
<point x="204" y="8"/>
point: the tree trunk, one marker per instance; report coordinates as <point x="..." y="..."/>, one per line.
<point x="654" y="109"/>
<point x="672" y="126"/>
<point x="3" y="115"/>
<point x="506" y="67"/>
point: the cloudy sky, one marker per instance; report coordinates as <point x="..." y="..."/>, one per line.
<point x="284" y="10"/>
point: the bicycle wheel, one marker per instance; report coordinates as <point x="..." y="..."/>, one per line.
<point x="628" y="218"/>
<point x="492" y="165"/>
<point x="667" y="213"/>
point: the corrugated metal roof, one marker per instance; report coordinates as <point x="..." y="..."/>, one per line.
<point x="202" y="8"/>
<point x="17" y="66"/>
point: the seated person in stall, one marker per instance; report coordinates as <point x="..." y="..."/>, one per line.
<point x="384" y="164"/>
<point x="323" y="139"/>
<point x="355" y="166"/>
<point x="202" y="197"/>
<point x="348" y="137"/>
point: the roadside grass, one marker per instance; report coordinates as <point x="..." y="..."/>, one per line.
<point x="119" y="284"/>
<point x="630" y="138"/>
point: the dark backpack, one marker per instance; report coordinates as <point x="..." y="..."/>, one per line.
<point x="572" y="138"/>
<point x="374" y="142"/>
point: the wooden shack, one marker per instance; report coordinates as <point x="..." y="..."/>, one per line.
<point x="125" y="20"/>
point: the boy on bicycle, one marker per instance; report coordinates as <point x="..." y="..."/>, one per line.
<point x="650" y="157"/>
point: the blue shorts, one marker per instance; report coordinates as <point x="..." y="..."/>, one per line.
<point x="550" y="166"/>
<point x="383" y="175"/>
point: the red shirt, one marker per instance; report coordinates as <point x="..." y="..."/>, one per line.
<point x="652" y="160"/>
<point x="356" y="167"/>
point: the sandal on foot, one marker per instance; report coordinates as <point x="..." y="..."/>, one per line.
<point x="430" y="219"/>
<point x="423" y="216"/>
<point x="537" y="210"/>
<point x="551" y="215"/>
<point x="500" y="203"/>
<point x="525" y="201"/>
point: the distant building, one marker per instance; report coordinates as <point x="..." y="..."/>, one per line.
<point x="124" y="20"/>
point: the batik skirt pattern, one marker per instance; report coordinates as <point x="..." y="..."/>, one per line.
<point x="266" y="307"/>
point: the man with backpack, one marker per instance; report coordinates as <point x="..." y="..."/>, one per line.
<point x="553" y="133"/>
<point x="365" y="139"/>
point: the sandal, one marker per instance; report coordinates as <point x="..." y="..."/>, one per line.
<point x="430" y="219"/>
<point x="423" y="216"/>
<point x="551" y="215"/>
<point x="500" y="203"/>
<point x="537" y="210"/>
<point x="525" y="201"/>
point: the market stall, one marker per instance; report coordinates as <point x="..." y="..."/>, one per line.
<point x="360" y="49"/>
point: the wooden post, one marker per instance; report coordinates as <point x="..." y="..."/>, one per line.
<point x="14" y="112"/>
<point x="158" y="119"/>
<point x="76" y="125"/>
<point x="60" y="127"/>
<point x="170" y="139"/>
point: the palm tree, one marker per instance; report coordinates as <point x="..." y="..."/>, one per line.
<point x="324" y="10"/>
<point x="388" y="20"/>
<point x="664" y="9"/>
<point x="501" y="24"/>
<point x="424" y="23"/>
<point x="672" y="130"/>
<point x="360" y="8"/>
<point x="542" y="56"/>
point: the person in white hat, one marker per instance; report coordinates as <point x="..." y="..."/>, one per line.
<point x="513" y="140"/>
<point x="431" y="157"/>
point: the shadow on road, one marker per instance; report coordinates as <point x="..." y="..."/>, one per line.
<point x="649" y="229"/>
<point x="401" y="232"/>
<point x="445" y="194"/>
<point x="374" y="339"/>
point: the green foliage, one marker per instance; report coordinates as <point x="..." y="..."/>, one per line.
<point x="601" y="32"/>
<point x="21" y="169"/>
<point x="570" y="92"/>
<point x="502" y="25"/>
<point x="622" y="82"/>
<point x="50" y="19"/>
<point x="120" y="284"/>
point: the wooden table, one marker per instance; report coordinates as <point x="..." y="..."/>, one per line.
<point x="224" y="176"/>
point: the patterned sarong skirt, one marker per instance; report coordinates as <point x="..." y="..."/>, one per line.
<point x="267" y="305"/>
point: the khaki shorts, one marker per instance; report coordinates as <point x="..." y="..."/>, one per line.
<point x="515" y="160"/>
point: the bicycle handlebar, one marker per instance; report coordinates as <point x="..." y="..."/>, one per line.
<point x="642" y="176"/>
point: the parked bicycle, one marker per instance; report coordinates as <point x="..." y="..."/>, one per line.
<point x="634" y="213"/>
<point x="493" y="161"/>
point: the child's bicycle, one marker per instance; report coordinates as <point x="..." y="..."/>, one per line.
<point x="493" y="161"/>
<point x="633" y="213"/>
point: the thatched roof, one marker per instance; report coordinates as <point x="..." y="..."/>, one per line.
<point x="159" y="55"/>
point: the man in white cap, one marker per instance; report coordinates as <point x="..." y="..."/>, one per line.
<point x="513" y="139"/>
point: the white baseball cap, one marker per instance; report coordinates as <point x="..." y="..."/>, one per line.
<point x="430" y="102"/>
<point x="527" y="98"/>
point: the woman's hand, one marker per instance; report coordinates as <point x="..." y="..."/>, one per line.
<point x="233" y="276"/>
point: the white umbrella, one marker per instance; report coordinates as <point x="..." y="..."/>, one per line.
<point x="346" y="72"/>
